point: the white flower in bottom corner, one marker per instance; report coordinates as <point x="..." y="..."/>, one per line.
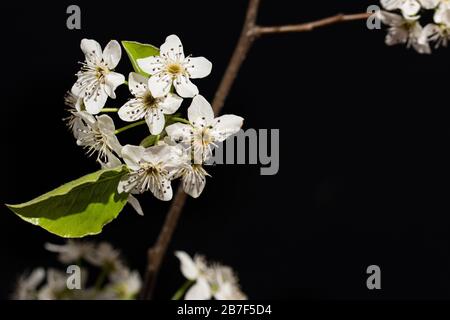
<point x="216" y="281"/>
<point x="96" y="134"/>
<point x="195" y="270"/>
<point x="144" y="105"/>
<point x="225" y="284"/>
<point x="125" y="284"/>
<point x="55" y="286"/>
<point x="26" y="288"/>
<point x="205" y="130"/>
<point x="172" y="67"/>
<point x="404" y="31"/>
<point x="96" y="79"/>
<point x="150" y="169"/>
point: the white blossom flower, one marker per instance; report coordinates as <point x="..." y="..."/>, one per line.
<point x="440" y="34"/>
<point x="409" y="8"/>
<point x="172" y="67"/>
<point x="125" y="285"/>
<point x="151" y="169"/>
<point x="442" y="14"/>
<point x="72" y="251"/>
<point x="205" y="130"/>
<point x="96" y="80"/>
<point x="216" y="281"/>
<point x="144" y="105"/>
<point x="404" y="31"/>
<point x="73" y="104"/>
<point x="193" y="176"/>
<point x="195" y="270"/>
<point x="96" y="134"/>
<point x="55" y="286"/>
<point x="104" y="255"/>
<point x="26" y="288"/>
<point x="225" y="284"/>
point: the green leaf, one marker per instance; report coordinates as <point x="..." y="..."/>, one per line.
<point x="78" y="208"/>
<point x="136" y="50"/>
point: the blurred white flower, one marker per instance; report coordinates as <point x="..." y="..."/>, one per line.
<point x="172" y="67"/>
<point x="96" y="80"/>
<point x="73" y="104"/>
<point x="125" y="284"/>
<point x="55" y="286"/>
<point x="105" y="256"/>
<point x="150" y="169"/>
<point x="216" y="281"/>
<point x="404" y="31"/>
<point x="96" y="134"/>
<point x="26" y="288"/>
<point x="204" y="131"/>
<point x="144" y="105"/>
<point x="409" y="8"/>
<point x="72" y="251"/>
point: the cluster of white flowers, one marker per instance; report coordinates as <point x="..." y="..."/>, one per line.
<point x="406" y="26"/>
<point x="208" y="281"/>
<point x="114" y="282"/>
<point x="181" y="148"/>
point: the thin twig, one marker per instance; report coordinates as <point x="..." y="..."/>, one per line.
<point x="250" y="32"/>
<point x="309" y="26"/>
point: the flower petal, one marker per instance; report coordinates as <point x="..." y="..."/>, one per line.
<point x="199" y="291"/>
<point x="132" y="155"/>
<point x="151" y="65"/>
<point x="179" y="131"/>
<point x="198" y="67"/>
<point x="112" y="81"/>
<point x="410" y="8"/>
<point x="187" y="265"/>
<point x="162" y="191"/>
<point x="112" y="54"/>
<point x="185" y="87"/>
<point x="171" y="103"/>
<point x="135" y="204"/>
<point x="155" y="121"/>
<point x="137" y="84"/>
<point x="95" y="99"/>
<point x="92" y="50"/>
<point x="193" y="184"/>
<point x="200" y="111"/>
<point x="226" y="125"/>
<point x="159" y="85"/>
<point x="391" y="4"/>
<point x="132" y="110"/>
<point x="172" y="48"/>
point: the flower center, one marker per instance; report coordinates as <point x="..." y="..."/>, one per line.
<point x="101" y="72"/>
<point x="174" y="69"/>
<point x="149" y="101"/>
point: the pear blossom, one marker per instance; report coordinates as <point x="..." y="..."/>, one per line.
<point x="193" y="176"/>
<point x="226" y="284"/>
<point x="440" y="34"/>
<point x="71" y="251"/>
<point x="216" y="281"/>
<point x="74" y="105"/>
<point x="204" y="130"/>
<point x="96" y="134"/>
<point x="171" y="67"/>
<point x="96" y="79"/>
<point x="195" y="270"/>
<point x="26" y="288"/>
<point x="150" y="169"/>
<point x="409" y="8"/>
<point x="442" y="13"/>
<point x="404" y="31"/>
<point x="125" y="285"/>
<point x="145" y="105"/>
<point x="104" y="255"/>
<point x="55" y="286"/>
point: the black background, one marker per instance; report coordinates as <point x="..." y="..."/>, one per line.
<point x="363" y="153"/>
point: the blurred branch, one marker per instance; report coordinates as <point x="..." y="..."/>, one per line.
<point x="250" y="32"/>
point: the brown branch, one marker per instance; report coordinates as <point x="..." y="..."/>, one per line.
<point x="309" y="26"/>
<point x="250" y="32"/>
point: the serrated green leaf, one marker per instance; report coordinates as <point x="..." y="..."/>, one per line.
<point x="136" y="50"/>
<point x="78" y="208"/>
